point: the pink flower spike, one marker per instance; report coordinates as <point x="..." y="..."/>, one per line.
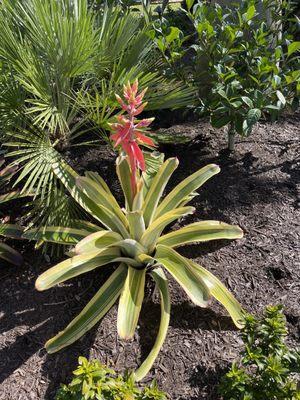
<point x="140" y="109"/>
<point x="140" y="97"/>
<point x="126" y="132"/>
<point x="121" y="102"/>
<point x="134" y="87"/>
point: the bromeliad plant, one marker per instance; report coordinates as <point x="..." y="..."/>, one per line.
<point x="132" y="237"/>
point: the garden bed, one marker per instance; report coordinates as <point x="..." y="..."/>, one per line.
<point x="258" y="188"/>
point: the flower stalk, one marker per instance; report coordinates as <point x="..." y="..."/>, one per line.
<point x="129" y="132"/>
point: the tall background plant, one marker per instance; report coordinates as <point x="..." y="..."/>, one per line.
<point x="61" y="64"/>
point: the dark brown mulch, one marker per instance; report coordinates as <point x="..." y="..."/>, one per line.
<point x="258" y="188"/>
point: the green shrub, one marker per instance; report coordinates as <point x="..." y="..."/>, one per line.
<point x="241" y="60"/>
<point x="93" y="380"/>
<point x="264" y="371"/>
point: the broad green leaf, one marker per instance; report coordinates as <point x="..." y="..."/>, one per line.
<point x="75" y="266"/>
<point x="250" y="13"/>
<point x="100" y="304"/>
<point x="280" y="97"/>
<point x="247" y="101"/>
<point x="202" y="231"/>
<point x="131" y="302"/>
<point x="218" y="121"/>
<point x="96" y="241"/>
<point x="157" y="187"/>
<point x="173" y="35"/>
<point x="165" y="305"/>
<point x="221" y="293"/>
<point x="10" y="255"/>
<point x="56" y="234"/>
<point x="153" y="232"/>
<point x="123" y="172"/>
<point x="11" y="231"/>
<point x="253" y="117"/>
<point x="293" y="47"/>
<point x="185" y="275"/>
<point x="185" y="188"/>
<point x="189" y="4"/>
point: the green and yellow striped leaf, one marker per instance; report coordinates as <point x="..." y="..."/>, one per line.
<point x="100" y="304"/>
<point x="87" y="225"/>
<point x="96" y="241"/>
<point x="202" y="231"/>
<point x="184" y="274"/>
<point x="131" y="302"/>
<point x="56" y="234"/>
<point x="221" y="293"/>
<point x="75" y="266"/>
<point x="165" y="305"/>
<point x="136" y="224"/>
<point x="68" y="178"/>
<point x="186" y="188"/>
<point x="153" y="232"/>
<point x="99" y="196"/>
<point x="157" y="187"/>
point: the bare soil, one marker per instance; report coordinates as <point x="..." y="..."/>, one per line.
<point x="258" y="188"/>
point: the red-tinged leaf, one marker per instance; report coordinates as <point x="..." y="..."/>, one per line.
<point x="144" y="139"/>
<point x="144" y="123"/>
<point x="140" y="109"/>
<point x="139" y="156"/>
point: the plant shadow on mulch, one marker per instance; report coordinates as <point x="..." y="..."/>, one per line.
<point x="257" y="189"/>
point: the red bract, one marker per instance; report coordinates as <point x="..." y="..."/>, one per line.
<point x="129" y="132"/>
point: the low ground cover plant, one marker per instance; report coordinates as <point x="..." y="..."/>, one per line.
<point x="244" y="64"/>
<point x="265" y="369"/>
<point x="93" y="380"/>
<point x="133" y="237"/>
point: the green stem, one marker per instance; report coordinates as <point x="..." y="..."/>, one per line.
<point x="231" y="135"/>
